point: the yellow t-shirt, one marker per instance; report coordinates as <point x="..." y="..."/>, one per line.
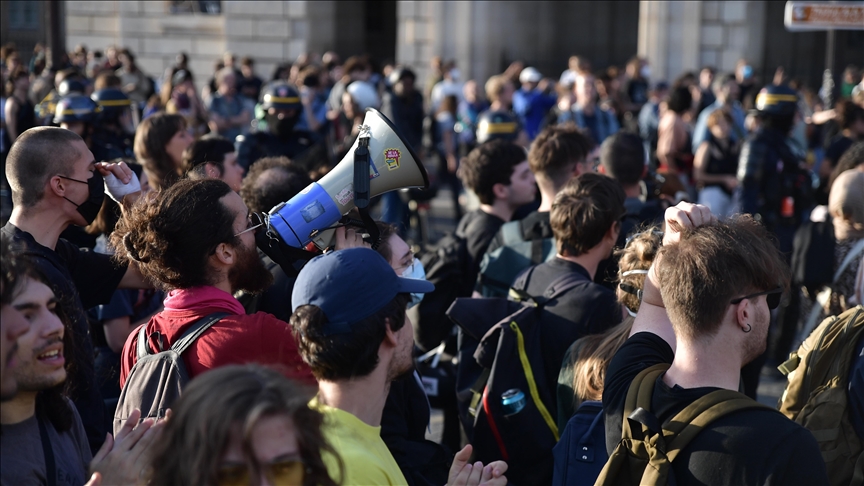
<point x="366" y="459"/>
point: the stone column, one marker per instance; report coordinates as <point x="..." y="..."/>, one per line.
<point x="669" y="35"/>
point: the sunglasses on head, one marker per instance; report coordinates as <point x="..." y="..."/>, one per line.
<point x="287" y="472"/>
<point x="773" y="297"/>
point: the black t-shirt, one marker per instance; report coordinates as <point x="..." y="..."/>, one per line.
<point x="478" y="228"/>
<point x="745" y="447"/>
<point x="587" y="308"/>
<point x="80" y="280"/>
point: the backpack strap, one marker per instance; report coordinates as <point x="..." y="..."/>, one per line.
<point x="195" y="330"/>
<point x="142" y="348"/>
<point x="854" y="252"/>
<point x="639" y="395"/>
<point x="562" y="285"/>
<point x="688" y="423"/>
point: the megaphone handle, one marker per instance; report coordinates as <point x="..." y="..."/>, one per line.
<point x="361" y="174"/>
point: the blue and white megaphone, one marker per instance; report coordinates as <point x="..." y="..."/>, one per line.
<point x="392" y="165"/>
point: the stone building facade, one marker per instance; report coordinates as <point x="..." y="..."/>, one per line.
<point x="482" y="36"/>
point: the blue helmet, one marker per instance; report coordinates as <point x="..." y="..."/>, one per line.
<point x="280" y="95"/>
<point x="76" y="108"/>
<point x="69" y="86"/>
<point x="112" y="101"/>
<point x="774" y="100"/>
<point x="495" y="125"/>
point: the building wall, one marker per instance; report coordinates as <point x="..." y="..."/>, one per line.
<point x="684" y="36"/>
<point x="270" y="32"/>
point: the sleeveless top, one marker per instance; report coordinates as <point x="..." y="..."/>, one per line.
<point x="720" y="161"/>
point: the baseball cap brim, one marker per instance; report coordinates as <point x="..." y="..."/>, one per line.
<point x="414" y="286"/>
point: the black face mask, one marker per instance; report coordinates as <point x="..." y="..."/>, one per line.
<point x="281" y="128"/>
<point x="89" y="209"/>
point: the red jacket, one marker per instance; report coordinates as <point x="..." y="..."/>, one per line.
<point x="235" y="339"/>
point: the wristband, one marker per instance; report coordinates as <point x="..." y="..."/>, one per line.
<point x="117" y="190"/>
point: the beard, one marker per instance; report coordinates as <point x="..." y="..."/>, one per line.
<point x="249" y="274"/>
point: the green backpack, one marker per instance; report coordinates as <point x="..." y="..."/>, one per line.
<point x="816" y="397"/>
<point x="647" y="448"/>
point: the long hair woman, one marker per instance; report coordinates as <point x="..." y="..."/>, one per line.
<point x="237" y="425"/>
<point x="159" y="144"/>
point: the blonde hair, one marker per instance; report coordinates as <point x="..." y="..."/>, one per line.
<point x="495" y="86"/>
<point x="591" y="354"/>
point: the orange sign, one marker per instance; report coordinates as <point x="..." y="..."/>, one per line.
<point x="824" y="16"/>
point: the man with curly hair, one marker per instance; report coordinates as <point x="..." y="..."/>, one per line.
<point x="197" y="241"/>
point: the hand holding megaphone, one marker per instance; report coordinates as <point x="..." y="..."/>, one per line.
<point x="310" y="215"/>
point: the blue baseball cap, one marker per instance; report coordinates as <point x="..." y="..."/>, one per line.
<point x="351" y="285"/>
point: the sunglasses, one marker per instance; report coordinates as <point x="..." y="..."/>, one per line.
<point x="253" y="222"/>
<point x="773" y="297"/>
<point x="290" y="471"/>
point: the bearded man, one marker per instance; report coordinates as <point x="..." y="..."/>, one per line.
<point x="197" y="241"/>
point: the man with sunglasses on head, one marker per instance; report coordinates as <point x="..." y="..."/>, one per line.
<point x="197" y="241"/>
<point x="705" y="313"/>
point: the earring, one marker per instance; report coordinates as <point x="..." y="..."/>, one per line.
<point x="748" y="328"/>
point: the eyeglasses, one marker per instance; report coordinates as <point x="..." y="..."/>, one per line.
<point x="290" y="471"/>
<point x="407" y="268"/>
<point x="254" y="222"/>
<point x="773" y="297"/>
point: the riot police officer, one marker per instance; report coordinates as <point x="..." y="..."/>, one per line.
<point x="276" y="135"/>
<point x="115" y="126"/>
<point x="774" y="184"/>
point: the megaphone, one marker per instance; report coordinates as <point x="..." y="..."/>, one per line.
<point x="392" y="165"/>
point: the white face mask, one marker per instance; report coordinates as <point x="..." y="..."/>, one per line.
<point x="646" y="71"/>
<point x="417" y="271"/>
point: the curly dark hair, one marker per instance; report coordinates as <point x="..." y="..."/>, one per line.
<point x="349" y="355"/>
<point x="216" y="402"/>
<point x="270" y="181"/>
<point x="172" y="236"/>
<point x="489" y="164"/>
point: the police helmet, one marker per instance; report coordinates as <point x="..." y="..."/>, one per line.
<point x="497" y="125"/>
<point x="280" y="95"/>
<point x="69" y="86"/>
<point x="774" y="100"/>
<point x="112" y="101"/>
<point x="76" y="108"/>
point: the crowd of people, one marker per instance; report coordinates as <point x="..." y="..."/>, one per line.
<point x="626" y="253"/>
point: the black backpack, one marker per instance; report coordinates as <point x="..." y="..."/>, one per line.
<point x="501" y="358"/>
<point x="447" y="267"/>
<point x="500" y="267"/>
<point x="157" y="379"/>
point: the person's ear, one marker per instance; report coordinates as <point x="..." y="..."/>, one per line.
<point x="501" y="191"/>
<point x="212" y="171"/>
<point x="744" y="314"/>
<point x="612" y="232"/>
<point x="601" y="169"/>
<point x="57" y="185"/>
<point x="390" y="337"/>
<point x="225" y="254"/>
